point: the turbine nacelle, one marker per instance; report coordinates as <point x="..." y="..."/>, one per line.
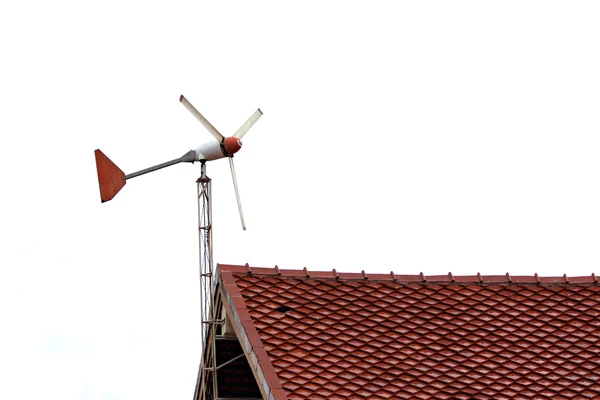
<point x="213" y="150"/>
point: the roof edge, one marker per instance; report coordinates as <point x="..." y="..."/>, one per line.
<point x="420" y="279"/>
<point x="253" y="347"/>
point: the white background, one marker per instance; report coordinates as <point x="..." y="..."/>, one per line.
<point x="408" y="136"/>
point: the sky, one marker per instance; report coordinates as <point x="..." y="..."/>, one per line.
<point x="423" y="136"/>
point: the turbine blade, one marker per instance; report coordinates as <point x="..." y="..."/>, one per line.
<point x="248" y="124"/>
<point x="237" y="193"/>
<point x="213" y="131"/>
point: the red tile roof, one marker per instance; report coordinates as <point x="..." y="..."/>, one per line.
<point x="328" y="335"/>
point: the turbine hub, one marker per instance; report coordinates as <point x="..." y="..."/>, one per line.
<point x="232" y="145"/>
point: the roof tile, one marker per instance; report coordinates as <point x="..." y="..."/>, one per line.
<point x="378" y="336"/>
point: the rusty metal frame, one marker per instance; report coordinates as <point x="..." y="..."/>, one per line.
<point x="208" y="311"/>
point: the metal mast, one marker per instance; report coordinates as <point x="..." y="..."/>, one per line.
<point x="206" y="387"/>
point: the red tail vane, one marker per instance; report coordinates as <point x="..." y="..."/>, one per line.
<point x="110" y="177"/>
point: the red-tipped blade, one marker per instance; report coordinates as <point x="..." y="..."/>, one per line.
<point x="248" y="124"/>
<point x="110" y="177"/>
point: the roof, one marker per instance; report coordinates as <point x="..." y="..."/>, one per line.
<point x="329" y="335"/>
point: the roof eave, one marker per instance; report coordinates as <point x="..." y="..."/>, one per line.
<point x="254" y="350"/>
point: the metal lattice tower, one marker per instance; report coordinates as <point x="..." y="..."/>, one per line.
<point x="206" y="387"/>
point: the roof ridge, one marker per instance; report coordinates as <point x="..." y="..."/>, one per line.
<point x="411" y="279"/>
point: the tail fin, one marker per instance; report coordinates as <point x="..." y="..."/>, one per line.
<point x="110" y="177"/>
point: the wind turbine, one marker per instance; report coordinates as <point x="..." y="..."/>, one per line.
<point x="112" y="179"/>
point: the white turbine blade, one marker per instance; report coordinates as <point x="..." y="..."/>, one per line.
<point x="213" y="131"/>
<point x="237" y="193"/>
<point x="248" y="124"/>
